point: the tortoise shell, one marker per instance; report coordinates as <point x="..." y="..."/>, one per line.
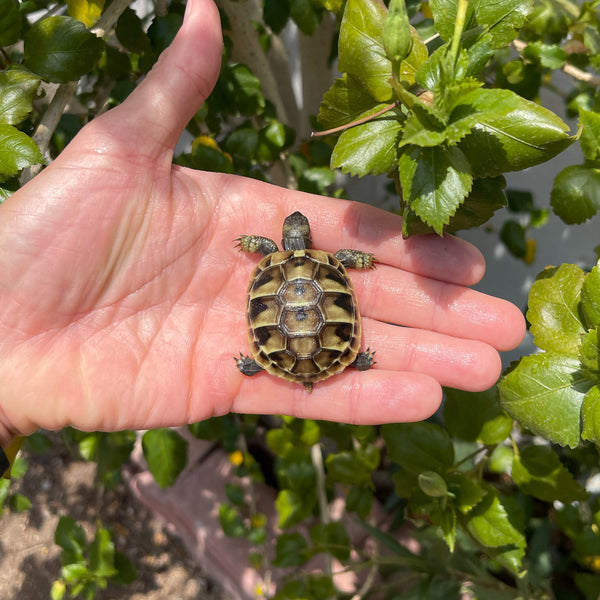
<point x="302" y="315"/>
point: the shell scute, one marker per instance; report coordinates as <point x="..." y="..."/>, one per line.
<point x="303" y="320"/>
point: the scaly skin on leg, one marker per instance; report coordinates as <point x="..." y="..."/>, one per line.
<point x="355" y="259"/>
<point x="256" y="244"/>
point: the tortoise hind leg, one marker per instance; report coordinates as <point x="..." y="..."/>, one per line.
<point x="356" y="259"/>
<point x="364" y="360"/>
<point x="247" y="365"/>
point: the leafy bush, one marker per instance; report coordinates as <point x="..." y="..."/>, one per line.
<point x="443" y="98"/>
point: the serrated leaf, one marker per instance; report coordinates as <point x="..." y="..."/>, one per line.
<point x="502" y="18"/>
<point x="344" y="102"/>
<point x="508" y="132"/>
<point x="476" y="416"/>
<point x="590" y="297"/>
<point x="544" y="393"/>
<point x="467" y="492"/>
<point x="575" y="195"/>
<point x="589" y="353"/>
<point x="492" y="524"/>
<point x="17" y="151"/>
<point x="485" y="198"/>
<point x="419" y="447"/>
<point x="165" y="452"/>
<point x="434" y="183"/>
<point x="61" y="49"/>
<point x="369" y="148"/>
<point x="361" y="50"/>
<point x="11" y="22"/>
<point x="590" y="414"/>
<point x="551" y="56"/>
<point x="590" y="133"/>
<point x="554" y="309"/>
<point x="86" y="11"/>
<point x="538" y="472"/>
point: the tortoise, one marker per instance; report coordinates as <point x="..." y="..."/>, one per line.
<point x="302" y="315"/>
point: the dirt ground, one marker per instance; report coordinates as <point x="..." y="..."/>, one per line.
<point x="59" y="483"/>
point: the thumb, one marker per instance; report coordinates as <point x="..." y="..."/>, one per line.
<point x="158" y="110"/>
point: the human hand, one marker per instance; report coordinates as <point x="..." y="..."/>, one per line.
<point x="122" y="295"/>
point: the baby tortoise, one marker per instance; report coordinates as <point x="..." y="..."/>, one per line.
<point x="303" y="319"/>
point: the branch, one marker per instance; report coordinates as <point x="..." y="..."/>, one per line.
<point x="358" y="121"/>
<point x="574" y="72"/>
<point x="65" y="91"/>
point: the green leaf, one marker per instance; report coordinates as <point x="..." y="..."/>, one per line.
<point x="361" y="50"/>
<point x="304" y="15"/>
<point x="467" y="492"/>
<point x="360" y="501"/>
<point x="165" y="452"/>
<point x="130" y="32"/>
<point x="102" y="554"/>
<point x="575" y="196"/>
<point x="293" y="507"/>
<point x="590" y="414"/>
<point x="550" y="56"/>
<point x="58" y="590"/>
<point x="126" y="572"/>
<point x="231" y="521"/>
<point x="290" y="550"/>
<point x="19" y="503"/>
<point x="70" y="537"/>
<point x="370" y="148"/>
<point x="476" y="416"/>
<point x="17" y="151"/>
<point x="486" y="197"/>
<point x="419" y="447"/>
<point x="589" y="353"/>
<point x="344" y="102"/>
<point x="508" y="133"/>
<point x="162" y="30"/>
<point x="513" y="236"/>
<point x="353" y="468"/>
<point x="554" y="312"/>
<point x="61" y="49"/>
<point x="276" y="14"/>
<point x="502" y="18"/>
<point x="332" y="538"/>
<point x="590" y="297"/>
<point x="589" y="122"/>
<point x="544" y="393"/>
<point x="538" y="472"/>
<point x="10" y="22"/>
<point x="493" y="523"/>
<point x="434" y="182"/>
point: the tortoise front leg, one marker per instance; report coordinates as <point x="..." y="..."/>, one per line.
<point x="247" y="365"/>
<point x="256" y="244"/>
<point x="356" y="259"/>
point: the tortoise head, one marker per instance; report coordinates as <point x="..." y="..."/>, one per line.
<point x="296" y="232"/>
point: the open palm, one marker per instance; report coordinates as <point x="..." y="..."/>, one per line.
<point x="122" y="295"/>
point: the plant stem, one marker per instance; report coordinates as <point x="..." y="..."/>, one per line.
<point x="358" y="121"/>
<point x="459" y="26"/>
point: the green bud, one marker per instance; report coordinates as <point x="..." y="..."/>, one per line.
<point x="397" y="38"/>
<point x="432" y="484"/>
